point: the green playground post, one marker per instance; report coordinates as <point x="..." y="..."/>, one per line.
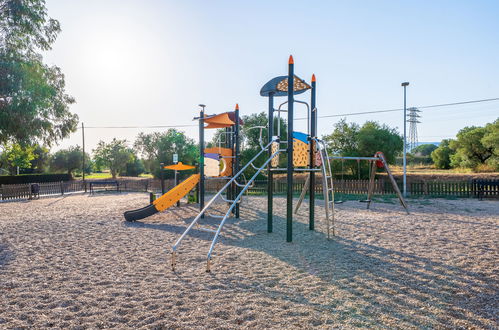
<point x="313" y="133"/>
<point x="289" y="172"/>
<point x="270" y="181"/>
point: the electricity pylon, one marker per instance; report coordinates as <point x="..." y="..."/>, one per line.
<point x="413" y="118"/>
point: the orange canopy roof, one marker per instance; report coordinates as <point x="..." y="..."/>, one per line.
<point x="179" y="167"/>
<point x="221" y="120"/>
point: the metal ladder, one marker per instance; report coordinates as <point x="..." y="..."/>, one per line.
<point x="233" y="203"/>
<point x="327" y="186"/>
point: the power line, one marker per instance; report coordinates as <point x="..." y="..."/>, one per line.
<point x="457" y="103"/>
<point x="401" y="109"/>
<point x="157" y="126"/>
<point x="326" y="116"/>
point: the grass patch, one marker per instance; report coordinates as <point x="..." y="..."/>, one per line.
<point x="107" y="175"/>
<point x="103" y="175"/>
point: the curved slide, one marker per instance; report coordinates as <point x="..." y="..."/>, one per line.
<point x="165" y="201"/>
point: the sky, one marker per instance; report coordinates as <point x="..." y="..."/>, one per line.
<point x="151" y="62"/>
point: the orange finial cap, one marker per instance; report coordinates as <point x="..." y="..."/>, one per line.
<point x="237" y="106"/>
<point x="313" y="77"/>
<point x="291" y="61"/>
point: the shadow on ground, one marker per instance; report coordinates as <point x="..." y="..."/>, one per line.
<point x="407" y="288"/>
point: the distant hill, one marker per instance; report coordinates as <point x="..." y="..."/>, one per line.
<point x="435" y="143"/>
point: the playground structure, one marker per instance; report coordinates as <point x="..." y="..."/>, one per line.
<point x="377" y="161"/>
<point x="305" y="152"/>
<point x="216" y="163"/>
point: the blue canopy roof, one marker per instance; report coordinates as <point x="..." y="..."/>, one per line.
<point x="300" y="136"/>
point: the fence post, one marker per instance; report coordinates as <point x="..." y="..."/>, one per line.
<point x="62" y="189"/>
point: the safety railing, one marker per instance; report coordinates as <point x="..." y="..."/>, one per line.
<point x="214" y="198"/>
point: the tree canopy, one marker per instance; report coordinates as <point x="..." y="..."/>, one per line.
<point x="42" y="158"/>
<point x="33" y="102"/>
<point x="424" y="149"/>
<point x="68" y="160"/>
<point x="475" y="147"/>
<point x="441" y="155"/>
<point x="113" y="155"/>
<point x="251" y="135"/>
<point x="15" y="155"/>
<point x="354" y="140"/>
<point x="470" y="151"/>
<point x="159" y="148"/>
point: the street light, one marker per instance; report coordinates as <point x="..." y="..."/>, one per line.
<point x="405" y="84"/>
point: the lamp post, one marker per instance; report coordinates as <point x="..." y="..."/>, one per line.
<point x="405" y="84"/>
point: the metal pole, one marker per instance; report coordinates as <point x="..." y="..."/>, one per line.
<point x="227" y="145"/>
<point x="201" y="158"/>
<point x="289" y="201"/>
<point x="236" y="153"/>
<point x="270" y="181"/>
<point x="162" y="176"/>
<point x="83" y="159"/>
<point x="313" y="133"/>
<point x="176" y="184"/>
<point x="405" y="84"/>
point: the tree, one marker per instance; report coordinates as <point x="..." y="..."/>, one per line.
<point x="251" y="135"/>
<point x="424" y="149"/>
<point x="374" y="137"/>
<point x="363" y="141"/>
<point x="470" y="151"/>
<point x="344" y="139"/>
<point x="42" y="158"/>
<point x="33" y="102"/>
<point x="441" y="156"/>
<point x="491" y="141"/>
<point x="114" y="155"/>
<point x="134" y="167"/>
<point x="159" y="148"/>
<point x="15" y="155"/>
<point x="67" y="160"/>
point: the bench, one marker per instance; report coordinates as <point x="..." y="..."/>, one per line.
<point x="104" y="184"/>
<point x="489" y="187"/>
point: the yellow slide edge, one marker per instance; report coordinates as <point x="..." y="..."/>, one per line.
<point x="174" y="195"/>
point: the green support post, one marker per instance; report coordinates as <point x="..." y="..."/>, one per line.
<point x="270" y="181"/>
<point x="289" y="172"/>
<point x="201" y="158"/>
<point x="313" y="136"/>
<point x="236" y="152"/>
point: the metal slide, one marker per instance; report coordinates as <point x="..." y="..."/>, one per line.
<point x="167" y="200"/>
<point x="233" y="203"/>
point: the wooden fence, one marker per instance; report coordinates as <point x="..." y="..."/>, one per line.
<point x="340" y="186"/>
<point x="26" y="191"/>
<point x="470" y="188"/>
<point x="489" y="188"/>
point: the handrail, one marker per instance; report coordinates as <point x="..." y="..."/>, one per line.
<point x="279" y="116"/>
<point x="260" y="137"/>
<point x="236" y="200"/>
<point x="212" y="200"/>
<point x="353" y="158"/>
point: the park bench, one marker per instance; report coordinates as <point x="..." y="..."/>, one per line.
<point x="487" y="187"/>
<point x="104" y="184"/>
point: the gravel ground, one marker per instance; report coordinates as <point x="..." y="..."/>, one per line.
<point x="73" y="262"/>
